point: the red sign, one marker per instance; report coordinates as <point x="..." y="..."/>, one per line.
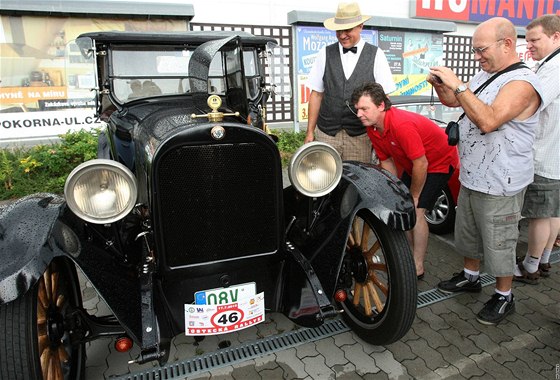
<point x="520" y="12"/>
<point x="442" y="9"/>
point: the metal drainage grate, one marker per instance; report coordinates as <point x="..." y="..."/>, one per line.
<point x="435" y="295"/>
<point x="233" y="355"/>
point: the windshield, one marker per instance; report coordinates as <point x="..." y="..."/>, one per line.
<point x="154" y="71"/>
<point x="147" y="73"/>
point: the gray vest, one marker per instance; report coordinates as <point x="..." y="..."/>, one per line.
<point x="336" y="108"/>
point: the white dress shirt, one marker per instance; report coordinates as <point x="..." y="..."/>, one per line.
<point x="546" y="149"/>
<point x="381" y="69"/>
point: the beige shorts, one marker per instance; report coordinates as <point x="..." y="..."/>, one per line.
<point x="486" y="228"/>
<point x="542" y="198"/>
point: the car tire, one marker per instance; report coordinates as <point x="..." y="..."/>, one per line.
<point x="441" y="218"/>
<point x="35" y="343"/>
<point x="379" y="278"/>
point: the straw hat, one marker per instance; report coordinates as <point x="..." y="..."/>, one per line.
<point x="347" y="16"/>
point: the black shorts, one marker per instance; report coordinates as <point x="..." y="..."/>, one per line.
<point x="435" y="183"/>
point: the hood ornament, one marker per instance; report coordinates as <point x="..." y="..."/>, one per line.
<point x="214" y="102"/>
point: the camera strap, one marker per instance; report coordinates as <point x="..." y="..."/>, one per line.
<point x="548" y="59"/>
<point x="515" y="66"/>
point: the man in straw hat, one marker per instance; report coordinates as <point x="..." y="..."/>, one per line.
<point x="338" y="70"/>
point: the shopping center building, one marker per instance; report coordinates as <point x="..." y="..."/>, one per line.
<point x="45" y="90"/>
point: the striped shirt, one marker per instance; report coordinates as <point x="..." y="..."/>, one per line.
<point x="546" y="149"/>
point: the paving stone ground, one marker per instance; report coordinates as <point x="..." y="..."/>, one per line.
<point x="445" y="341"/>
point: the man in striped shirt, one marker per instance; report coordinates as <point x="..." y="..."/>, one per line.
<point x="542" y="199"/>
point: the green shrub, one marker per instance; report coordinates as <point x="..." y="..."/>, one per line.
<point x="7" y="169"/>
<point x="44" y="168"/>
<point x="288" y="143"/>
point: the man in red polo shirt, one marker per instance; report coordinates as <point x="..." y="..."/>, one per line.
<point x="414" y="143"/>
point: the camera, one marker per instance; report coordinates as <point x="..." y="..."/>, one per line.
<point x="452" y="132"/>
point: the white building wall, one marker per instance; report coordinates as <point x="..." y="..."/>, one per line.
<point x="275" y="12"/>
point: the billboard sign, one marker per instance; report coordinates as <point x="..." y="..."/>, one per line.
<point x="45" y="82"/>
<point x="520" y="12"/>
<point x="409" y="55"/>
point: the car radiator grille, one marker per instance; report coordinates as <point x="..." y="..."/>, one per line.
<point x="217" y="202"/>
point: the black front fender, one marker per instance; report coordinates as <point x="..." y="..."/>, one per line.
<point x="366" y="186"/>
<point x="26" y="242"/>
<point x="36" y="229"/>
<point x="323" y="240"/>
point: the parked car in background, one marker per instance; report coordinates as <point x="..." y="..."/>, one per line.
<point x="182" y="224"/>
<point x="441" y="218"/>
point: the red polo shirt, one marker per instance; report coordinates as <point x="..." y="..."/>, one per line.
<point x="408" y="136"/>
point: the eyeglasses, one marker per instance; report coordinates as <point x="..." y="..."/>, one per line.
<point x="483" y="49"/>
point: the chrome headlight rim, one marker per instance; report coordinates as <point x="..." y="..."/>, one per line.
<point x="303" y="152"/>
<point x="99" y="165"/>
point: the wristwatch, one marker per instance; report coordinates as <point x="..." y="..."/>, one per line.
<point x="461" y="88"/>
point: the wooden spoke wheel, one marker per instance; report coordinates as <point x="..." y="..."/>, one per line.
<point x="39" y="344"/>
<point x="379" y="277"/>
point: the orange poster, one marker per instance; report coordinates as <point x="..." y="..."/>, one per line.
<point x="26" y="95"/>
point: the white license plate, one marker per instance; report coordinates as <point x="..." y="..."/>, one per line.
<point x="224" y="296"/>
<point x="220" y="319"/>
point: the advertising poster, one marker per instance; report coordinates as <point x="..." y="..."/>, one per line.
<point x="524" y="54"/>
<point x="519" y="12"/>
<point x="392" y="43"/>
<point x="303" y="97"/>
<point x="409" y="55"/>
<point x="420" y="52"/>
<point x="310" y="39"/>
<point x="46" y="84"/>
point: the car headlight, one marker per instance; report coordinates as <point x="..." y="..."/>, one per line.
<point x="101" y="191"/>
<point x="315" y="169"/>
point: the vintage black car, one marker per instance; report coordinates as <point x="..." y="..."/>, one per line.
<point x="182" y="224"/>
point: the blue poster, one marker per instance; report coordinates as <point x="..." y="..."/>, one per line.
<point x="422" y="51"/>
<point x="310" y="39"/>
<point x="409" y="55"/>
